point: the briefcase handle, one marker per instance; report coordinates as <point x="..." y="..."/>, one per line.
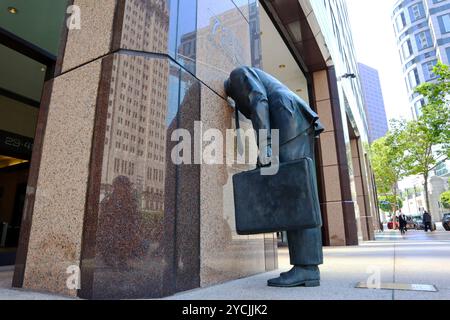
<point x="238" y="126"/>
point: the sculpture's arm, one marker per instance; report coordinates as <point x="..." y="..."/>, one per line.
<point x="249" y="89"/>
<point x="261" y="121"/>
<point x="312" y="116"/>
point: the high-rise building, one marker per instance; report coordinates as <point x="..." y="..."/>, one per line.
<point x="422" y="29"/>
<point x="374" y="102"/>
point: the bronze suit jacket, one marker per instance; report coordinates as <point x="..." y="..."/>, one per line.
<point x="271" y="105"/>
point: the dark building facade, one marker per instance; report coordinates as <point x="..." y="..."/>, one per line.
<point x="374" y="102"/>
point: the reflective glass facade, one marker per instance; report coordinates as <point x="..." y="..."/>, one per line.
<point x="335" y="26"/>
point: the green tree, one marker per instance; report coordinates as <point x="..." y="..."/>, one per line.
<point x="445" y="199"/>
<point x="387" y="158"/>
<point x="437" y="92"/>
<point x="429" y="137"/>
<point x="388" y="203"/>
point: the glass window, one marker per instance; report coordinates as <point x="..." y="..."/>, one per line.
<point x="183" y="25"/>
<point x="424" y="40"/>
<point x="416" y="12"/>
<point x="444" y="23"/>
<point x="400" y="21"/>
<point x="428" y="70"/>
<point x="407" y="49"/>
<point x="414" y="79"/>
<point x="407" y="84"/>
<point x="418" y="107"/>
<point x="441" y="169"/>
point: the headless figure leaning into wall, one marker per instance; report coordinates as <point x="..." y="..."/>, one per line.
<point x="271" y="105"/>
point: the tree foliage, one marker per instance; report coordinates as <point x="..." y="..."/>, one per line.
<point x="387" y="158"/>
<point x="416" y="147"/>
<point x="428" y="138"/>
<point x="438" y="92"/>
<point x="445" y="199"/>
<point x="384" y="179"/>
<point x="388" y="203"/>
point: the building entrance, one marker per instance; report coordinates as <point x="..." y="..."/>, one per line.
<point x="13" y="184"/>
<point x="29" y="43"/>
<point x="21" y="82"/>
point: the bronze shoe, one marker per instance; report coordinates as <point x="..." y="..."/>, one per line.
<point x="307" y="276"/>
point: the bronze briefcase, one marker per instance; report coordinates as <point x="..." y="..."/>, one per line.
<point x="286" y="201"/>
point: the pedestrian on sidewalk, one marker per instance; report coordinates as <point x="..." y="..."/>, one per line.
<point x="427" y="221"/>
<point x="402" y="222"/>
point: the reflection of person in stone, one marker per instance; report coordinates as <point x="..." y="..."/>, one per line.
<point x="271" y="105"/>
<point x="120" y="236"/>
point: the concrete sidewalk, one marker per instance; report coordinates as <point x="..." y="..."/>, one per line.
<point x="7" y="293"/>
<point x="417" y="258"/>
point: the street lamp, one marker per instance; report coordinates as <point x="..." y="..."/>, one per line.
<point x="349" y="75"/>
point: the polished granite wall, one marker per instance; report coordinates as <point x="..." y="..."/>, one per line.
<point x="134" y="222"/>
<point x="94" y="38"/>
<point x="57" y="221"/>
<point x="224" y="254"/>
<point x="223" y="43"/>
<point x="146" y="210"/>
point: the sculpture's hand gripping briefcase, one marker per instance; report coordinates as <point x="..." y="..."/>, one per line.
<point x="282" y="202"/>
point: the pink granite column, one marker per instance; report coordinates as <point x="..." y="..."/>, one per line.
<point x="337" y="206"/>
<point x="53" y="224"/>
<point x="362" y="189"/>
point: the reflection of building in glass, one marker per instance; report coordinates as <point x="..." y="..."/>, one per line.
<point x="136" y="129"/>
<point x="255" y="34"/>
<point x="422" y="28"/>
<point x="146" y="24"/>
<point x="187" y="49"/>
<point x="222" y="34"/>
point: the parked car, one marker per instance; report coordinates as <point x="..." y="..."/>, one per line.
<point x="446" y="221"/>
<point x="419" y="223"/>
<point x="390" y="225"/>
<point x="410" y="223"/>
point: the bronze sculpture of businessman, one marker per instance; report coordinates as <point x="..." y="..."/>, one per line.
<point x="271" y="105"/>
